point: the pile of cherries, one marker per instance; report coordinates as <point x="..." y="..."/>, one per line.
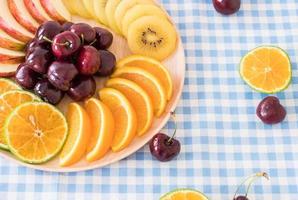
<point x="63" y="59"/>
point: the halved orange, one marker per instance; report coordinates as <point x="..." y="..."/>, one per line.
<point x="124" y="116"/>
<point x="9" y="101"/>
<point x="35" y="132"/>
<point x="185" y="194"/>
<point x="139" y="100"/>
<point x="102" y="129"/>
<point x="266" y="69"/>
<point x="78" y="135"/>
<point x="7" y="85"/>
<point x="148" y="83"/>
<point x="152" y="66"/>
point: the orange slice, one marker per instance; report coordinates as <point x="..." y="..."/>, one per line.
<point x="185" y="194"/>
<point x="148" y="83"/>
<point x="152" y="66"/>
<point x="102" y="129"/>
<point x="124" y="116"/>
<point x="78" y="136"/>
<point x="139" y="100"/>
<point x="7" y="85"/>
<point x="9" y="101"/>
<point x="266" y="69"/>
<point x="35" y="132"/>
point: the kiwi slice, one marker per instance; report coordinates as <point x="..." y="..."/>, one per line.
<point x="138" y="11"/>
<point x="152" y="36"/>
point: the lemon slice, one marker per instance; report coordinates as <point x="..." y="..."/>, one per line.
<point x="185" y="194"/>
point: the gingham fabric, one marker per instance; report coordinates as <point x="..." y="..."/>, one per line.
<point x="222" y="139"/>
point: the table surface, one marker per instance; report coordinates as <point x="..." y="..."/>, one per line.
<point x="222" y="139"/>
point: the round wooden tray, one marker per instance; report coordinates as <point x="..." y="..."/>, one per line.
<point x="176" y="66"/>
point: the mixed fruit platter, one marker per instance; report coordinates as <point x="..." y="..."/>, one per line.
<point x="85" y="79"/>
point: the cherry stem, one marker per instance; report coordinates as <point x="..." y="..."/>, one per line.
<point x="82" y="36"/>
<point x="93" y="42"/>
<point x="61" y="44"/>
<point x="175" y="122"/>
<point x="251" y="179"/>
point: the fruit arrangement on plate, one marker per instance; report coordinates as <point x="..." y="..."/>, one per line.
<point x="89" y="80"/>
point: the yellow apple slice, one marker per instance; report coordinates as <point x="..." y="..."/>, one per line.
<point x="89" y="5"/>
<point x="9" y="25"/>
<point x="80" y="9"/>
<point x="8" y="42"/>
<point x="110" y="10"/>
<point x="8" y="70"/>
<point x="99" y="10"/>
<point x="20" y="13"/>
<point x="56" y="10"/>
<point x="36" y="10"/>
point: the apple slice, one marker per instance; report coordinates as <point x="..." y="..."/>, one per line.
<point x="36" y="10"/>
<point x="90" y="7"/>
<point x="19" y="12"/>
<point x="56" y="10"/>
<point x="80" y="9"/>
<point x="8" y="70"/>
<point x="11" y="57"/>
<point x="8" y="42"/>
<point x="9" y="25"/>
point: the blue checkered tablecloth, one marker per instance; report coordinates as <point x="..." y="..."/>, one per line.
<point x="222" y="139"/>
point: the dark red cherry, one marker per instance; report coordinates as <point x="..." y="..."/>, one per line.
<point x="107" y="65"/>
<point x="82" y="87"/>
<point x="61" y="73"/>
<point x="104" y="38"/>
<point x="270" y="111"/>
<point x="39" y="60"/>
<point x="84" y="31"/>
<point x="226" y="7"/>
<point x="66" y="26"/>
<point x="88" y="61"/>
<point x="26" y="77"/>
<point x="65" y="44"/>
<point x="241" y="198"/>
<point x="48" y="30"/>
<point x="48" y="92"/>
<point x="34" y="43"/>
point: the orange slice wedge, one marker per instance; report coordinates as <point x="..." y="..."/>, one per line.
<point x="185" y="194"/>
<point x="78" y="135"/>
<point x="7" y="85"/>
<point x="102" y="129"/>
<point x="266" y="69"/>
<point x="124" y="116"/>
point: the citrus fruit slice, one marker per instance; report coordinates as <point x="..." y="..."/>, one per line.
<point x="78" y="135"/>
<point x="7" y="85"/>
<point x="185" y="194"/>
<point x="8" y="101"/>
<point x="124" y="116"/>
<point x="35" y="132"/>
<point x="153" y="66"/>
<point x="266" y="69"/>
<point x="102" y="129"/>
<point x="139" y="100"/>
<point x="148" y="83"/>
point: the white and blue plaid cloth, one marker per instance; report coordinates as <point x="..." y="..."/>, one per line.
<point x="222" y="139"/>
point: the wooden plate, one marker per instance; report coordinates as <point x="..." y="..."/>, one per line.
<point x="176" y="66"/>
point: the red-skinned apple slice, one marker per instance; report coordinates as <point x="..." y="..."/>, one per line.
<point x="11" y="57"/>
<point x="36" y="10"/>
<point x="19" y="12"/>
<point x="8" y="42"/>
<point x="9" y="25"/>
<point x="56" y="10"/>
<point x="8" y="70"/>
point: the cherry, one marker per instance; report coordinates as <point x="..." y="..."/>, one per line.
<point x="39" y="59"/>
<point x="227" y="7"/>
<point x="65" y="44"/>
<point x="270" y="111"/>
<point x="249" y="180"/>
<point x="88" y="61"/>
<point x="103" y="39"/>
<point x="108" y="62"/>
<point x="61" y="73"/>
<point x="48" y="92"/>
<point x="34" y="43"/>
<point x="49" y="30"/>
<point x="82" y="87"/>
<point x="26" y="77"/>
<point x="163" y="147"/>
<point x="66" y="26"/>
<point x="84" y="31"/>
